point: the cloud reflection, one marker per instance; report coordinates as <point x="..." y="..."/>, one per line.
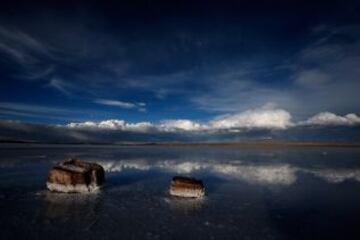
<point x="282" y="174"/>
<point x="266" y="174"/>
<point x="337" y="176"/>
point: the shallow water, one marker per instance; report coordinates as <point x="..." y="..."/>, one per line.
<point x="252" y="193"/>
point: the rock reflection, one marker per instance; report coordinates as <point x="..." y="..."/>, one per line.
<point x="180" y="206"/>
<point x="82" y="209"/>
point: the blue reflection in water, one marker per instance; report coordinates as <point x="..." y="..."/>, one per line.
<point x="251" y="194"/>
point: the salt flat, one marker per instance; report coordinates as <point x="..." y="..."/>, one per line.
<point x="251" y="193"/>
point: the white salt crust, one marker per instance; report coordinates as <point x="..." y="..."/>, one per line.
<point x="72" y="168"/>
<point x="189" y="193"/>
<point x="80" y="188"/>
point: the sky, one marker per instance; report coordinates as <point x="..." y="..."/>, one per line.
<point x="179" y="70"/>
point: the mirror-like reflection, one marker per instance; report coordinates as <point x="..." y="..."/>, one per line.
<point x="74" y="206"/>
<point x="277" y="174"/>
<point x="250" y="193"/>
<point x="282" y="174"/>
<point x="185" y="206"/>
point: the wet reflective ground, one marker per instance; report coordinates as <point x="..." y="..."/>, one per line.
<point x="252" y="193"/>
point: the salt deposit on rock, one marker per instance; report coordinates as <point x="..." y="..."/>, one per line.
<point x="186" y="187"/>
<point x="75" y="176"/>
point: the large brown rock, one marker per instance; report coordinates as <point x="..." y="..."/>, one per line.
<point x="186" y="187"/>
<point x="75" y="176"/>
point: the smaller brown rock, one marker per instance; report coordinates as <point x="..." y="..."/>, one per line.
<point x="186" y="187"/>
<point x="75" y="176"/>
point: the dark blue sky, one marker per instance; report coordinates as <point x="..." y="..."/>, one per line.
<point x="153" y="61"/>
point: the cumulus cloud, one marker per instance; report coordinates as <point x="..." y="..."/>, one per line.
<point x="328" y="118"/>
<point x="113" y="124"/>
<point x="266" y="118"/>
<point x="257" y="118"/>
<point x="260" y="123"/>
<point x="261" y="118"/>
<point x="164" y="126"/>
<point x="181" y="124"/>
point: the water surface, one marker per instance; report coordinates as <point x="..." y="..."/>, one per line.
<point x="252" y="193"/>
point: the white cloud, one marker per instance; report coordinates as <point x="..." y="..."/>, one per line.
<point x="267" y="117"/>
<point x="164" y="126"/>
<point x="60" y="85"/>
<point x="113" y="124"/>
<point x="115" y="103"/>
<point x="263" y="118"/>
<point x="27" y="52"/>
<point x="328" y="118"/>
<point x="276" y="119"/>
<point x="141" y="104"/>
<point x="256" y="118"/>
<point x="31" y="108"/>
<point x="128" y="105"/>
<point x="260" y="118"/>
<point x="21" y="46"/>
<point x="47" y="111"/>
<point x="180" y="124"/>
